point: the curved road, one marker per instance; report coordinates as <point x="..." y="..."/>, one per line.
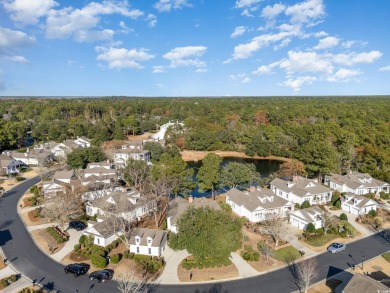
<point x="26" y="257"/>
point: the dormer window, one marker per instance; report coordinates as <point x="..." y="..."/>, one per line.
<point x="149" y="241"/>
<point x="137" y="239"/>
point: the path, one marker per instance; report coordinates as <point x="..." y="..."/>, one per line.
<point x="172" y="259"/>
<point x="69" y="245"/>
<point x="292" y="237"/>
<point x="244" y="269"/>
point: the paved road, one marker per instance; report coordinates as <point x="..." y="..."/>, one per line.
<point x="33" y="263"/>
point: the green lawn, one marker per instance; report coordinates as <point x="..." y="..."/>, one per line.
<point x="318" y="241"/>
<point x="386" y="256"/>
<point x="286" y="254"/>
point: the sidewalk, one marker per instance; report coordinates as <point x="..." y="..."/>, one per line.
<point x="244" y="269"/>
<point x="18" y="286"/>
<point x="172" y="259"/>
<point x="69" y="246"/>
<point x="292" y="237"/>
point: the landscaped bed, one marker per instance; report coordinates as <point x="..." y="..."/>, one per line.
<point x="46" y="241"/>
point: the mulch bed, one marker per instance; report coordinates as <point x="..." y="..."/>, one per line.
<point x="197" y="275"/>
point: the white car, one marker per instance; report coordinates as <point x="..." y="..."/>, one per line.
<point x="336" y="247"/>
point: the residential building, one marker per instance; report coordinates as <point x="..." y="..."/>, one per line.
<point x="257" y="204"/>
<point x="129" y="205"/>
<point x="31" y="157"/>
<point x="301" y="189"/>
<point x="357" y="204"/>
<point x="124" y="154"/>
<point x="301" y="218"/>
<point x="103" y="232"/>
<point x="83" y="142"/>
<point x="358" y="283"/>
<point x="148" y="241"/>
<point x="9" y="165"/>
<point x="355" y="182"/>
<point x="60" y="183"/>
<point x="178" y="205"/>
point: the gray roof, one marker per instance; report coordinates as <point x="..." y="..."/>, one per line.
<point x="131" y="151"/>
<point x="63" y="175"/>
<point x="301" y="186"/>
<point x="97" y="170"/>
<point x="121" y="201"/>
<point x="362" y="200"/>
<point x="308" y="214"/>
<point x="362" y="284"/>
<point x="261" y="198"/>
<point x="71" y="144"/>
<point x="179" y="205"/>
<point x="355" y="179"/>
<point x="157" y="236"/>
<point x="105" y="228"/>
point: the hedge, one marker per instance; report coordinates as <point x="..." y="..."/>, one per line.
<point x="98" y="261"/>
<point x="56" y="235"/>
<point x="115" y="258"/>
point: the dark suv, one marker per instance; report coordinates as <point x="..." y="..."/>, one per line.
<point x="76" y="269"/>
<point x="77" y="225"/>
<point x="101" y="276"/>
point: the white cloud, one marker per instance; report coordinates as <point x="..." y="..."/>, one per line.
<point x="296" y="83"/>
<point x="263" y="70"/>
<point x="168" y="5"/>
<point x="238" y="31"/>
<point x="118" y="58"/>
<point x="385" y="68"/>
<point x="355" y="58"/>
<point x="16" y="58"/>
<point x="306" y="12"/>
<point x="12" y="41"/>
<point x="272" y="11"/>
<point x="343" y="75"/>
<point x="242" y="78"/>
<point x="320" y="34"/>
<point x="299" y="61"/>
<point x="28" y="12"/>
<point x="282" y="44"/>
<point x="152" y="19"/>
<point x="201" y="70"/>
<point x="246" y="3"/>
<point x="80" y="24"/>
<point x="327" y="43"/>
<point x="186" y="56"/>
<point x="158" y="69"/>
<point x="125" y="28"/>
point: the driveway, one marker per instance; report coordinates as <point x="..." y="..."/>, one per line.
<point x="351" y="220"/>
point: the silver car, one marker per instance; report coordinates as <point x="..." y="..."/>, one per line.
<point x="336" y="247"/>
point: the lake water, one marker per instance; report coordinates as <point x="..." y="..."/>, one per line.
<point x="264" y="167"/>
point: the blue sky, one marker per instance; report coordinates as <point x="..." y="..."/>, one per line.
<point x="194" y="47"/>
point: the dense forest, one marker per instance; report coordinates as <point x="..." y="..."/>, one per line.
<point x="328" y="134"/>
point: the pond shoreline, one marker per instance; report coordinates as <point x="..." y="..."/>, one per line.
<point x="199" y="155"/>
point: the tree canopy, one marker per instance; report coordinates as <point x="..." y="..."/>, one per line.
<point x="208" y="233"/>
<point x="209" y="172"/>
<point x="79" y="158"/>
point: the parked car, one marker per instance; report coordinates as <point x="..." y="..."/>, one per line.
<point x="101" y="276"/>
<point x="76" y="269"/>
<point x="77" y="225"/>
<point x="336" y="247"/>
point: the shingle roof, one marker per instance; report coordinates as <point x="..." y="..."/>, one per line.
<point x="263" y="198"/>
<point x="105" y="228"/>
<point x="362" y="284"/>
<point x="61" y="175"/>
<point x="301" y="187"/>
<point x="131" y="151"/>
<point x="179" y="205"/>
<point x="97" y="170"/>
<point x="355" y="180"/>
<point x="157" y="236"/>
<point x="362" y="200"/>
<point x="308" y="214"/>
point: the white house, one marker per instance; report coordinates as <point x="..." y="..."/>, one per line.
<point x="83" y="142"/>
<point x="301" y="189"/>
<point x="357" y="204"/>
<point x="32" y="157"/>
<point x="148" y="241"/>
<point x="104" y="232"/>
<point x="357" y="183"/>
<point x="9" y="165"/>
<point x="179" y="205"/>
<point x="257" y="204"/>
<point x="61" y="181"/>
<point x="129" y="205"/>
<point x="124" y="154"/>
<point x="301" y="218"/>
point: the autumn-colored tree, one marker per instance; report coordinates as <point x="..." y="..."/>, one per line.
<point x="291" y="168"/>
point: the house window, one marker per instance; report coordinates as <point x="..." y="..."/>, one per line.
<point x="137" y="249"/>
<point x="98" y="240"/>
<point x="137" y="240"/>
<point x="149" y="241"/>
<point x="149" y="251"/>
<point x="280" y="193"/>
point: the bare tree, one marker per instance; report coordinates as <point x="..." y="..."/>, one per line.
<point x="275" y="226"/>
<point x="43" y="162"/>
<point x="265" y="249"/>
<point x="303" y="273"/>
<point x="136" y="173"/>
<point x="328" y="220"/>
<point x="62" y="208"/>
<point x="128" y="283"/>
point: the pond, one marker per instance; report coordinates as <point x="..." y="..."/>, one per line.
<point x="264" y="167"/>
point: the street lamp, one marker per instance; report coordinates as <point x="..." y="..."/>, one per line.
<point x="362" y="261"/>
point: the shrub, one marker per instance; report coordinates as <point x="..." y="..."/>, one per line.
<point x="99" y="252"/>
<point x="305" y="205"/>
<point x="248" y="247"/>
<point x="126" y="254"/>
<point x="115" y="258"/>
<point x="33" y="201"/>
<point x="343" y="234"/>
<point x="225" y="206"/>
<point x="131" y="255"/>
<point x="297" y="206"/>
<point x="386" y="256"/>
<point x="343" y="217"/>
<point x="77" y="247"/>
<point x="351" y="230"/>
<point x="83" y="239"/>
<point x="320" y="231"/>
<point x="186" y="265"/>
<point x="384" y="195"/>
<point x="98" y="261"/>
<point x="373" y="213"/>
<point x="337" y="204"/>
<point x="19" y="178"/>
<point x="310" y="228"/>
<point x="378" y="222"/>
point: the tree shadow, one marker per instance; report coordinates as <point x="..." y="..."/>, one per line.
<point x="216" y="288"/>
<point x="5" y="236"/>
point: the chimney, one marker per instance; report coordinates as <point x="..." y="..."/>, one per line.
<point x="252" y="188"/>
<point x="108" y="161"/>
<point x="124" y="189"/>
<point x="190" y="199"/>
<point x="350" y="172"/>
<point x="25" y="154"/>
<point x="295" y="178"/>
